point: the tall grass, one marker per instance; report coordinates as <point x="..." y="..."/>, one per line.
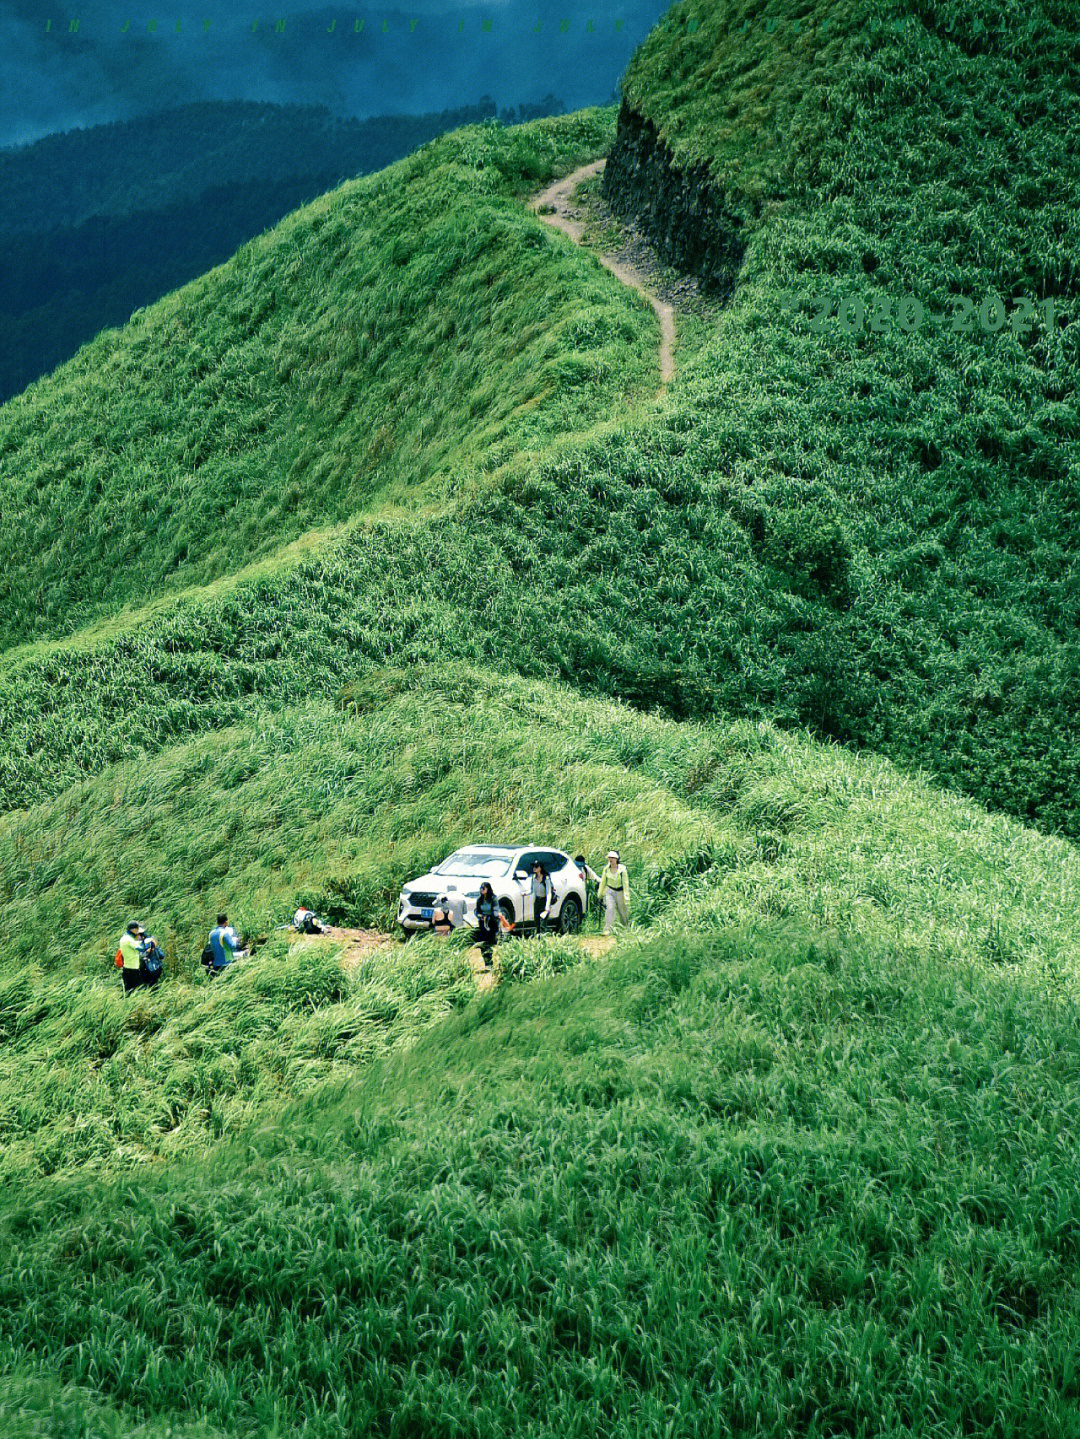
<point x="721" y="826"/>
<point x="872" y="535"/>
<point x="375" y="348"/>
<point x="800" y="1154"/>
<point x="761" y="1178"/>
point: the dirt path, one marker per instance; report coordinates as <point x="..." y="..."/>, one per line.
<point x="567" y="218"/>
<point x="358" y="944"/>
<point x="361" y="944"/>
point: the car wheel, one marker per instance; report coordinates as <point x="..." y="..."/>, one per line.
<point x="507" y="911"/>
<point x="570" y="915"/>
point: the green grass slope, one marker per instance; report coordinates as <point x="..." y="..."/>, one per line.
<point x="383" y="344"/>
<point x="874" y="535"/>
<point x="799" y="1156"/>
<point x="927" y="148"/>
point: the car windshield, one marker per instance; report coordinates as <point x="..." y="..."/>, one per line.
<point x="492" y="862"/>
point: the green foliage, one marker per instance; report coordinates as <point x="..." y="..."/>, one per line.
<point x="720" y="825"/>
<point x="809" y="1183"/>
<point x="279" y="392"/>
<point x="315" y="808"/>
<point x="800" y="1154"/>
<point x="873" y="535"/>
<point x="103" y="220"/>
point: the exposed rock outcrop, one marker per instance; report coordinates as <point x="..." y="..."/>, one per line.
<point x="681" y="211"/>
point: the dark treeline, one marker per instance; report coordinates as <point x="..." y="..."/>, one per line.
<point x="101" y="221"/>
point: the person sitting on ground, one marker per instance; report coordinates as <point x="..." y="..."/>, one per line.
<point x="224" y="945"/>
<point x="614" y="891"/>
<point x="131" y="955"/>
<point x="489" y="918"/>
<point x="308" y="922"/>
<point x="543" y="896"/>
<point x="442" y="916"/>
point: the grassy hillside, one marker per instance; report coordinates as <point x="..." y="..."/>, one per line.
<point x="822" y="1107"/>
<point x="872" y="534"/>
<point x="101" y="221"/>
<point x="337" y="806"/>
<point x="380" y="344"/>
<point x="799" y="1155"/>
<point x="870" y="153"/>
<point x="157" y="159"/>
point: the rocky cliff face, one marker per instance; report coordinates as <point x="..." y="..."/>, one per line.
<point x="680" y="210"/>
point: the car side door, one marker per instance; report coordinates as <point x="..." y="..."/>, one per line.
<point x="562" y="871"/>
<point x="526" y="862"/>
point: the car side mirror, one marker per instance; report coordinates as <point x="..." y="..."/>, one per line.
<point x="521" y="874"/>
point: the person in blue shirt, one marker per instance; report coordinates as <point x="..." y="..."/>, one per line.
<point x="224" y="944"/>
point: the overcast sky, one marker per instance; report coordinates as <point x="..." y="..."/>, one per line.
<point x="423" y="55"/>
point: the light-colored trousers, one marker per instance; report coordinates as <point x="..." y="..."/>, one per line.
<point x="615" y="901"/>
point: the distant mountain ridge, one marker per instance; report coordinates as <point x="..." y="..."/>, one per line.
<point x="102" y="221"/>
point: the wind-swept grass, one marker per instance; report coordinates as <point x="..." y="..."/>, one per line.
<point x="389" y="342"/>
<point x="762" y="1177"/>
<point x="336" y="807"/>
<point x="872" y="534"/>
<point x="799" y="1156"/>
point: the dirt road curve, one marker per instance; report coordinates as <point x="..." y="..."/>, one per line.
<point x="568" y="219"/>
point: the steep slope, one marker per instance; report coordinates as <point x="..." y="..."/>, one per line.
<point x="336" y="806"/>
<point x="379" y="344"/>
<point x="157" y="160"/>
<point x="870" y="533"/>
<point x="800" y="1154"/>
<point x="101" y="221"/>
<point x="863" y="158"/>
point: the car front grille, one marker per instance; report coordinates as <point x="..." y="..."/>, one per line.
<point x="422" y="901"/>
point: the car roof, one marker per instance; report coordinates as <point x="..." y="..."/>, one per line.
<point x="487" y="848"/>
<point x="506" y="848"/>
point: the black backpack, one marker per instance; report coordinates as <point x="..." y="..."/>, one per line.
<point x="150" y="961"/>
<point x="208" y="956"/>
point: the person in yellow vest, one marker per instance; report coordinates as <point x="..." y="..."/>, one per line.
<point x="614" y="891"/>
<point x="131" y="952"/>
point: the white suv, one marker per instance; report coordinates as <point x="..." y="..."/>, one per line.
<point x="508" y="869"/>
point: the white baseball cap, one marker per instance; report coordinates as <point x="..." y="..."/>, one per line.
<point x="613" y="854"/>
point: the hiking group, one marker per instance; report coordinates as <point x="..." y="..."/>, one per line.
<point x="141" y="961"/>
<point x="612" y="895"/>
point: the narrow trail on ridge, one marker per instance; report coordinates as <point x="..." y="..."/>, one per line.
<point x="567" y="218"/>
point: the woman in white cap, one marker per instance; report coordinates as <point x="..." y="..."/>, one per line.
<point x="614" y="891"/>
